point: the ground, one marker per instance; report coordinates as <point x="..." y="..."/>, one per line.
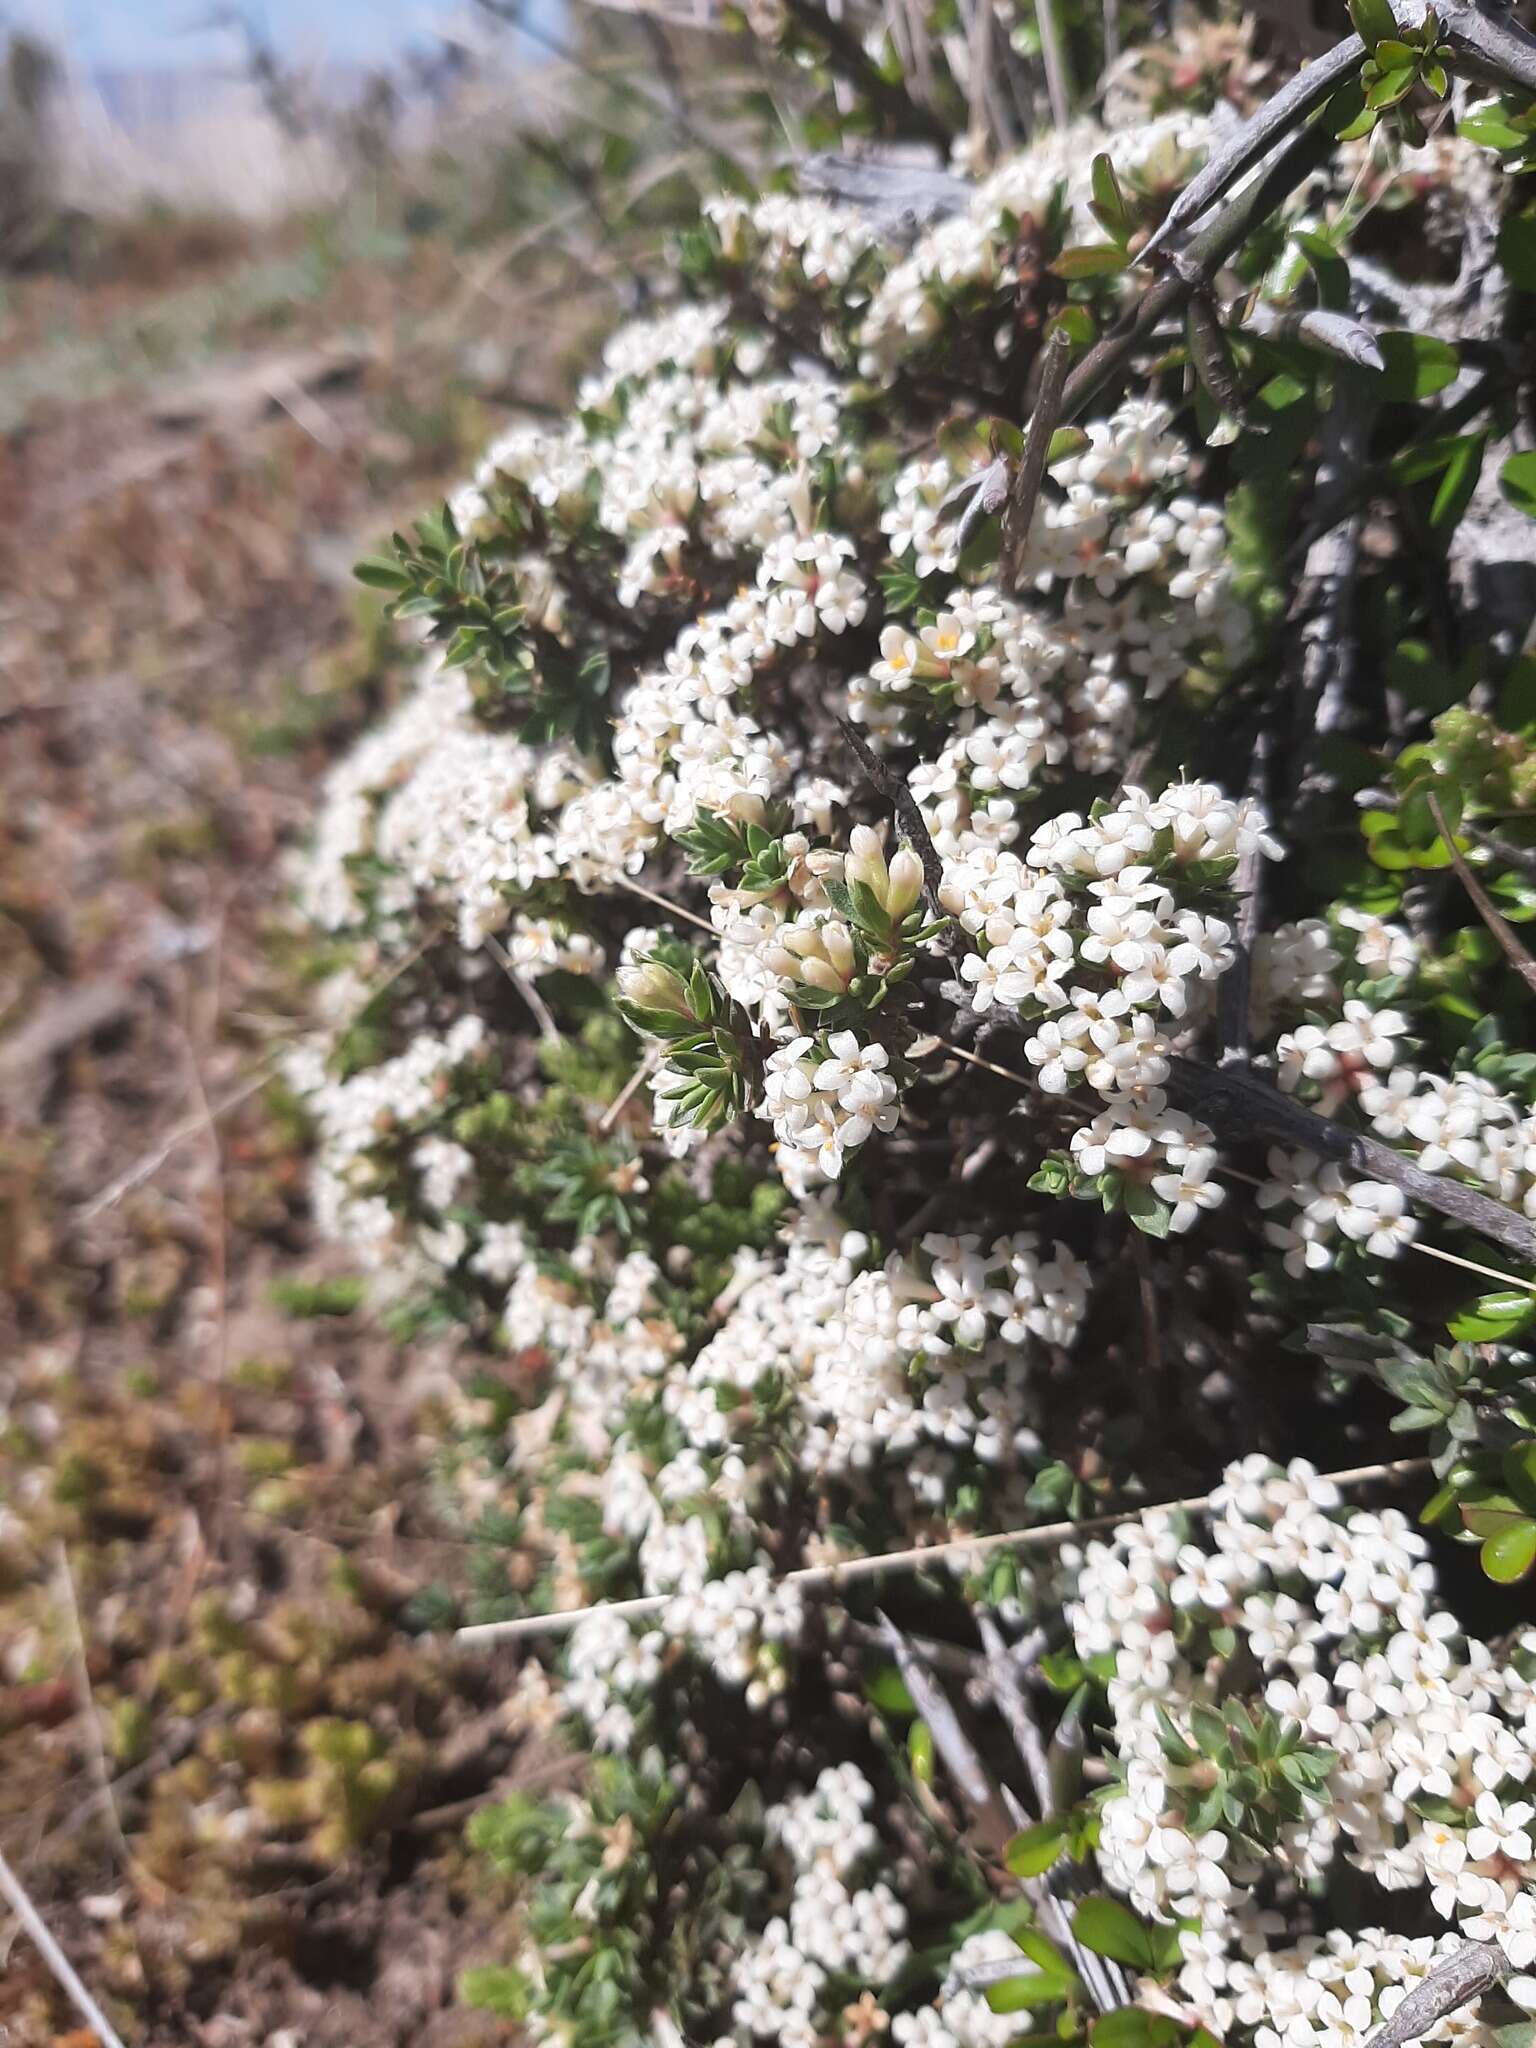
<point x="196" y="440"/>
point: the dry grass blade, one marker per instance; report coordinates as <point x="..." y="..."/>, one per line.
<point x="543" y="1016"/>
<point x="59" y="1963"/>
<point x="826" y="1577"/>
<point x="64" y="1582"/>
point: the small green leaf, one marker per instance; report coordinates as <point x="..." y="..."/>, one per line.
<point x="1510" y="1555"/>
<point x="1147" y="1211"/>
<point x="1417" y="366"/>
<point x="1490" y="127"/>
<point x="886" y="1690"/>
<point x="1064" y="442"/>
<point x="1036" y="1848"/>
<point x="1374" y="21"/>
<point x="1327" y="266"/>
<point x="1517" y="480"/>
<point x="1029" y="1989"/>
<point x="1519" y="1468"/>
<point x="920" y="1751"/>
<point x="1132" y="2026"/>
<point x="1392" y="86"/>
<point x="1090" y="259"/>
<point x="1492" y="1514"/>
<point x="1110" y="1929"/>
<point x="1493" y="1317"/>
<point x="1109" y="206"/>
<point x="380" y="573"/>
<point x="1080" y="328"/>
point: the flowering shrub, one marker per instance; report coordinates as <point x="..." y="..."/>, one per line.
<point x="1005" y="994"/>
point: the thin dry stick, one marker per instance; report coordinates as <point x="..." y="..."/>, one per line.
<point x="1285" y="110"/>
<point x="673" y="909"/>
<point x="1433" y="1251"/>
<point x="1521" y="858"/>
<point x="1428" y="1251"/>
<point x="824" y="1576"/>
<point x="908" y="816"/>
<point x="96" y="1749"/>
<point x="1438" y="1196"/>
<point x="621" y="1101"/>
<point x="59" y="1963"/>
<point x="1482" y="903"/>
<point x="543" y="1016"/>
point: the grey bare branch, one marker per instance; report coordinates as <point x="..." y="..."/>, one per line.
<point x="1020" y="509"/>
<point x="1313" y="84"/>
<point x="1475" y="1968"/>
<point x="1335" y="333"/>
<point x="1237" y="1104"/>
<point x="901" y="198"/>
<point x="981" y="1796"/>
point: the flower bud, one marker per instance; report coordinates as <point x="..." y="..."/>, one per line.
<point x="837" y="943"/>
<point x="866" y="860"/>
<point x="906" y="882"/>
<point x="821" y="974"/>
<point x="650" y="986"/>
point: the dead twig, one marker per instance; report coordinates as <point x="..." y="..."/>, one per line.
<point x="1233" y="1004"/>
<point x="1006" y="1690"/>
<point x="1521" y="858"/>
<point x="1192" y="269"/>
<point x="1482" y="903"/>
<point x="1237" y="1104"/>
<point x="1283" y="111"/>
<point x="626" y="1094"/>
<point x="1019" y="513"/>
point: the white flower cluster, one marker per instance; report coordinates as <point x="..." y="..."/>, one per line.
<point x="961" y="2018"/>
<point x="1459" y="1124"/>
<point x="443" y="812"/>
<point x="983" y="246"/>
<point x="734" y="1624"/>
<point x="919" y="1354"/>
<point x="1325" y="1207"/>
<point x="825" y="1099"/>
<point x="360" y="1119"/>
<point x="1336" y="1608"/>
<point x="1335" y="1990"/>
<point x="606" y="1661"/>
<point x="833" y="1929"/>
<point x="1130" y="585"/>
<point x="1084" y="935"/>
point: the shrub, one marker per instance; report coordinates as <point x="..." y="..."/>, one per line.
<point x="915" y="976"/>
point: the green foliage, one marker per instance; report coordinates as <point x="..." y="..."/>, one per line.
<point x="1247" y="1774"/>
<point x="469" y="601"/>
<point x="340" y="1296"/>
